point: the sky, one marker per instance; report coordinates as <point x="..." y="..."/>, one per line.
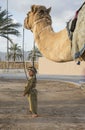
<point x="61" y="12"/>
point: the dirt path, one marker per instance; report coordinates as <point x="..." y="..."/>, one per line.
<point x="61" y="106"/>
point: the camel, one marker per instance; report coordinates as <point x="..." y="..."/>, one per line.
<point x="55" y="46"/>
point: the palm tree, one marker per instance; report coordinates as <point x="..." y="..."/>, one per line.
<point x="8" y="26"/>
<point x="15" y="52"/>
<point x="34" y="54"/>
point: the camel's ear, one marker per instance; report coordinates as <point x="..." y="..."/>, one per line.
<point x="48" y="10"/>
<point x="33" y="8"/>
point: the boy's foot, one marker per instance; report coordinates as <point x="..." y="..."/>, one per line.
<point x="34" y="115"/>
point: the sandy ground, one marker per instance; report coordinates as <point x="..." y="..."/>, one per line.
<point x="61" y="106"/>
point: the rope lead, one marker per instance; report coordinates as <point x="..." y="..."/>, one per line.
<point x="23" y="56"/>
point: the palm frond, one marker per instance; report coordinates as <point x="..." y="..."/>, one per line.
<point x="7" y="25"/>
<point x="6" y="38"/>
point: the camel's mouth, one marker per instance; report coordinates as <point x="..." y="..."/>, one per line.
<point x="25" y="23"/>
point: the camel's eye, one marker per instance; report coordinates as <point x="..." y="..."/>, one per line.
<point x="41" y="11"/>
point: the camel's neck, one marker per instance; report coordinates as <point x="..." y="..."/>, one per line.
<point x="50" y="43"/>
<point x="43" y="30"/>
<point x="41" y="26"/>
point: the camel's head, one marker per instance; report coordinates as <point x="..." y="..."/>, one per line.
<point x="37" y="12"/>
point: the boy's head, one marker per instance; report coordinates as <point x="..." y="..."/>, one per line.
<point x="32" y="71"/>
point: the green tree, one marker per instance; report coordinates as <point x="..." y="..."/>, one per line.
<point x="34" y="54"/>
<point x="8" y="26"/>
<point x="15" y="52"/>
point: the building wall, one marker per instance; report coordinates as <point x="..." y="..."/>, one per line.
<point x="66" y="68"/>
<point x="17" y="65"/>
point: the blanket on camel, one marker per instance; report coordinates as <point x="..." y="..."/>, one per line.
<point x="78" y="40"/>
<point x="76" y="32"/>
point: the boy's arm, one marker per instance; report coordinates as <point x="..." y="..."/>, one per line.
<point x="26" y="89"/>
<point x="29" y="87"/>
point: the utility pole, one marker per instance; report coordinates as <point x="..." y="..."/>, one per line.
<point x="23" y="44"/>
<point x="7" y="41"/>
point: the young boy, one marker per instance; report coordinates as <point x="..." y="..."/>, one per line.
<point x="31" y="92"/>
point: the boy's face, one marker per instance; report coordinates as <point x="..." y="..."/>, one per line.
<point x="31" y="73"/>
